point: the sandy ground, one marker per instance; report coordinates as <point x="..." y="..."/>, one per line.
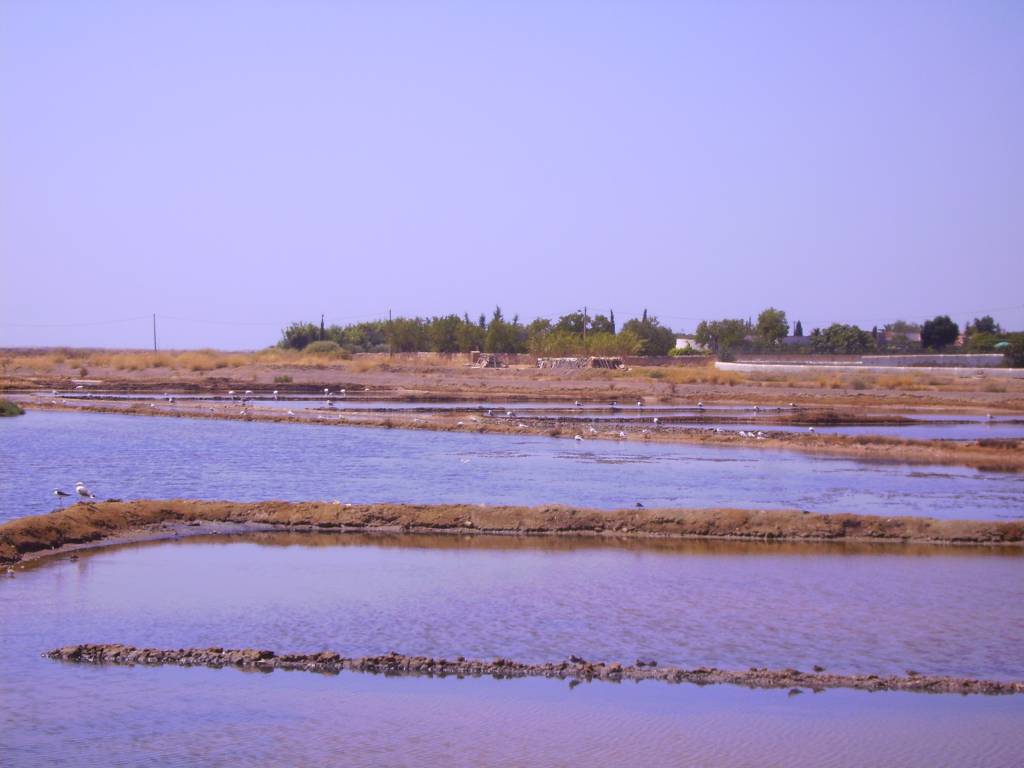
<point x="116" y="521"/>
<point x="406" y="378"/>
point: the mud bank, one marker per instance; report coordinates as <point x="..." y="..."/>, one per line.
<point x="96" y="523"/>
<point x="574" y="669"/>
<point x="988" y="455"/>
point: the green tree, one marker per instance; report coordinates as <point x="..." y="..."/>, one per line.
<point x="984" y="324"/>
<point x="839" y="339"/>
<point x="721" y="336"/>
<point x="657" y="339"/>
<point x="799" y="329"/>
<point x="501" y="336"/>
<point x="602" y="324"/>
<point x="772" y="325"/>
<point x="298" y="336"/>
<point x="939" y="332"/>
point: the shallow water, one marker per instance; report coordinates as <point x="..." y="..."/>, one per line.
<point x="713" y="603"/>
<point x="930" y="430"/>
<point x="155" y="457"/>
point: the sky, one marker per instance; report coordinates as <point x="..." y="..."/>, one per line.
<point x="233" y="167"/>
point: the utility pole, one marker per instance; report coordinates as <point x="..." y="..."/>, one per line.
<point x="154" y="331"/>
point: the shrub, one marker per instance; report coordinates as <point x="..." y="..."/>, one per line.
<point x="283" y="379"/>
<point x="324" y="349"/>
<point x="7" y="408"/>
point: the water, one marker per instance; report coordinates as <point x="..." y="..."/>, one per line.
<point x="726" y="604"/>
<point x="155" y="457"/>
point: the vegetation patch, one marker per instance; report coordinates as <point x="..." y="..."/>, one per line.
<point x="7" y="408"/>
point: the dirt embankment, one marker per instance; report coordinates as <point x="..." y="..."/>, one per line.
<point x="574" y="669"/>
<point x="991" y="455"/>
<point x="95" y="522"/>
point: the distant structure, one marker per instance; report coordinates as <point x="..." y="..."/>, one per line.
<point x="690" y="342"/>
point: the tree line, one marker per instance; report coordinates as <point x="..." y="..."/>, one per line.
<point x="576" y="333"/>
<point x="579" y="333"/>
<point x="728" y="336"/>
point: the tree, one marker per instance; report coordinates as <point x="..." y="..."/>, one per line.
<point x="721" y="336"/>
<point x="799" y="329"/>
<point x="611" y="319"/>
<point x="772" y="325"/>
<point x="444" y="333"/>
<point x="298" y="336"/>
<point x="657" y="339"/>
<point x="939" y="332"/>
<point x="501" y="335"/>
<point x="602" y="324"/>
<point x="574" y="322"/>
<point x="839" y="339"/>
<point x="983" y="325"/>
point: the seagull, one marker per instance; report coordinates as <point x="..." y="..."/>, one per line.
<point x="578" y="403"/>
<point x="639" y="403"/>
<point x="593" y="431"/>
<point x="622" y="434"/>
<point x="510" y="414"/>
<point x="61" y="495"/>
<point x="275" y="394"/>
<point x="291" y="412"/>
<point x="655" y="419"/>
<point x="341" y="392"/>
<point x="231" y="394"/>
<point x="490" y="412"/>
<point x="700" y="404"/>
<point x="810" y="429"/>
<point x="327" y="391"/>
<point x="248" y="392"/>
<point x="578" y="437"/>
<point x="82" y="491"/>
<point x="520" y="425"/>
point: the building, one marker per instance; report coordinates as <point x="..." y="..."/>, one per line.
<point x="690" y="342"/>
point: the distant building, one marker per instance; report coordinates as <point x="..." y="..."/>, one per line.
<point x="690" y="342"/>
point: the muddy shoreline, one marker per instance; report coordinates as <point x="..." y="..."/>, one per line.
<point x="988" y="455"/>
<point x="575" y="669"/>
<point x="103" y="523"/>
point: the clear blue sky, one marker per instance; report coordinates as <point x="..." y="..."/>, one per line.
<point x="241" y="165"/>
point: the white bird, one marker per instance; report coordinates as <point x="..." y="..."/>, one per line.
<point x="242" y="412"/>
<point x="655" y="419"/>
<point x="639" y="404"/>
<point x="756" y="409"/>
<point x="700" y="404"/>
<point x="578" y="403"/>
<point x="327" y="391"/>
<point x="248" y="392"/>
<point x="231" y="394"/>
<point x="458" y="424"/>
<point x="988" y="416"/>
<point x="341" y="392"/>
<point x="593" y="431"/>
<point x="510" y="414"/>
<point x="291" y="412"/>
<point x="275" y="394"/>
<point x="79" y="387"/>
<point x="61" y="495"/>
<point x="792" y="405"/>
<point x="490" y="412"/>
<point x="578" y="437"/>
<point x="622" y="434"/>
<point x="810" y="429"/>
<point x="82" y="491"/>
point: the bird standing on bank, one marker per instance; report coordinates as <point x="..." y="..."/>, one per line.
<point x="82" y="491"/>
<point x="61" y="495"/>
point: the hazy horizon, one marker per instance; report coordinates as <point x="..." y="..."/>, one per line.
<point x="240" y="166"/>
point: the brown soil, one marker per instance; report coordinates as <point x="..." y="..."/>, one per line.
<point x="115" y="520"/>
<point x="426" y="378"/>
<point x="991" y="455"/>
<point x="574" y="669"/>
